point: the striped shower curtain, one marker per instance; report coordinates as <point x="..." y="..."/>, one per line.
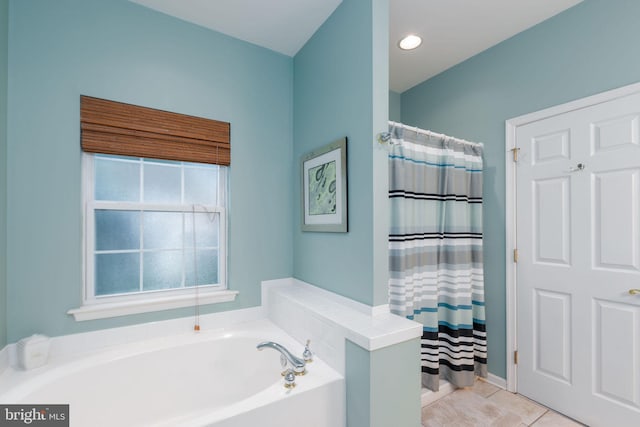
<point x="435" y="250"/>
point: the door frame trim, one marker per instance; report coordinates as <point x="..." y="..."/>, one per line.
<point x="511" y="126"/>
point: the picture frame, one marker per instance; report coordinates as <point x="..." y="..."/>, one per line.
<point x="324" y="189"/>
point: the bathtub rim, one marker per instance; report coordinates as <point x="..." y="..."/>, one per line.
<point x="14" y="380"/>
<point x="22" y="383"/>
<point x="83" y="343"/>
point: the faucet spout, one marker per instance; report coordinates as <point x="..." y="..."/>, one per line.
<point x="297" y="363"/>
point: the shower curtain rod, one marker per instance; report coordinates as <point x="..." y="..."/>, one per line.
<point x="386" y="136"/>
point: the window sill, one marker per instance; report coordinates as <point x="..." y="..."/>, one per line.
<point x="114" y="309"/>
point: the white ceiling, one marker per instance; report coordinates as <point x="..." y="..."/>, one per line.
<point x="453" y="30"/>
<point x="280" y="25"/>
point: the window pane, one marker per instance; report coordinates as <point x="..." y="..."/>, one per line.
<point x="162" y="230"/>
<point x="166" y="258"/>
<point x="116" y="180"/>
<point x="162" y="184"/>
<point x="200" y="185"/>
<point x="162" y="270"/>
<point x="207" y="265"/>
<point x="117" y="273"/>
<point x="117" y="230"/>
<point x="207" y="225"/>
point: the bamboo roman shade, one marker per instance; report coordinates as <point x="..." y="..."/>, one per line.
<point x="110" y="127"/>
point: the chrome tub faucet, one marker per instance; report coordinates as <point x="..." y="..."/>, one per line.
<point x="296" y="363"/>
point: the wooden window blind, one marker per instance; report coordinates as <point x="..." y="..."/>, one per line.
<point x="110" y="127"/>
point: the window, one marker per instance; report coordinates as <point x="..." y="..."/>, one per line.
<point x="141" y="241"/>
<point x="154" y="228"/>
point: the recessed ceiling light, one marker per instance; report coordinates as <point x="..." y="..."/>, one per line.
<point x="410" y="42"/>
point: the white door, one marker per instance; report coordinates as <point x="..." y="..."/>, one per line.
<point x="578" y="238"/>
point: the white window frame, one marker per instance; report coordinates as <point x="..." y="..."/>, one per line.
<point x="96" y="307"/>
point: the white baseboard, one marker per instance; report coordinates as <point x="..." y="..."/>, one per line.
<point x="496" y="381"/>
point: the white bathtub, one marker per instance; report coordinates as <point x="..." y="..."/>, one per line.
<point x="210" y="378"/>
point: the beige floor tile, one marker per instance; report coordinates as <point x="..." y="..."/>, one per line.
<point x="553" y="419"/>
<point x="465" y="408"/>
<point x="484" y="389"/>
<point x="508" y="420"/>
<point x="528" y="410"/>
<point x="485" y="405"/>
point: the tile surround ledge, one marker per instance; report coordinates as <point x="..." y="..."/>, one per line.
<point x="306" y="312"/>
<point x="302" y="310"/>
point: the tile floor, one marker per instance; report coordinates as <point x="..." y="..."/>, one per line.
<point x="487" y="405"/>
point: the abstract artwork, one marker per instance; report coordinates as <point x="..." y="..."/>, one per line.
<point x="324" y="188"/>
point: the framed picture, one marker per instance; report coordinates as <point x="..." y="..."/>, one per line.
<point x="324" y="188"/>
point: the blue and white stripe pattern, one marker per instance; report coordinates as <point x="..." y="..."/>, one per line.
<point x="435" y="250"/>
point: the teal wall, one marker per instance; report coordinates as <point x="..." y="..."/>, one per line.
<point x="118" y="50"/>
<point x="4" y="28"/>
<point x="383" y="386"/>
<point x="341" y="89"/>
<point x="587" y="49"/>
<point x="395" y="106"/>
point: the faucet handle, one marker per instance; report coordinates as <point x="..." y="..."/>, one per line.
<point x="307" y="355"/>
<point x="289" y="379"/>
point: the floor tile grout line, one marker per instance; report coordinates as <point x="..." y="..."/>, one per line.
<point x="542" y="415"/>
<point x="491" y="394"/>
<point x="486" y="398"/>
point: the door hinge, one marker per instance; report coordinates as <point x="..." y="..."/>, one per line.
<point x="515" y="357"/>
<point x="515" y="255"/>
<point x="515" y="152"/>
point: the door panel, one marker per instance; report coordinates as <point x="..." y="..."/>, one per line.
<point x="551" y="147"/>
<point x="578" y="233"/>
<point x="553" y="335"/>
<point x="615" y="133"/>
<point x="552" y="233"/>
<point x="616" y="216"/>
<point x="616" y="360"/>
